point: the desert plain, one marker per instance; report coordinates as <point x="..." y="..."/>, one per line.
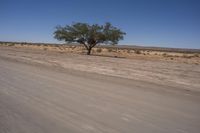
<point x="48" y="89"/>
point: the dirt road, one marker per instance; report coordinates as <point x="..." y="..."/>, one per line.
<point x="36" y="98"/>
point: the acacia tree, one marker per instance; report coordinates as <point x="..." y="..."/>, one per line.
<point x="89" y="35"/>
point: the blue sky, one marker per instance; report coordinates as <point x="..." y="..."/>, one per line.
<point x="165" y="23"/>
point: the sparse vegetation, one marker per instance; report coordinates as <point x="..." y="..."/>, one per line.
<point x="114" y="50"/>
<point x="11" y="44"/>
<point x="109" y="50"/>
<point x="164" y="54"/>
<point x="73" y="47"/>
<point x="45" y="49"/>
<point x="99" y="50"/>
<point x="138" y="52"/>
<point x="196" y="55"/>
<point x="187" y="56"/>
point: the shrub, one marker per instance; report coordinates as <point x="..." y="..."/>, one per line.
<point x="187" y="56"/>
<point x="137" y="51"/>
<point x="45" y="49"/>
<point x="164" y="54"/>
<point x="11" y="44"/>
<point x="114" y="50"/>
<point x="196" y="55"/>
<point x="99" y="50"/>
<point x="109" y="50"/>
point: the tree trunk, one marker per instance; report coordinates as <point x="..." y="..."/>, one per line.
<point x="89" y="51"/>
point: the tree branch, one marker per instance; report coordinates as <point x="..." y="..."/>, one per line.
<point x="86" y="46"/>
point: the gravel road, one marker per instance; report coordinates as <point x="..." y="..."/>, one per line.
<point x="35" y="98"/>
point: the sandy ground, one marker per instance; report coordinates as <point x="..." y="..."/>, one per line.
<point x="48" y="92"/>
<point x="184" y="75"/>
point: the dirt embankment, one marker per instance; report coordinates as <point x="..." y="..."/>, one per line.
<point x="122" y="51"/>
<point x="184" y="72"/>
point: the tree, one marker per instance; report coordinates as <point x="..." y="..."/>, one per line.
<point x="89" y="35"/>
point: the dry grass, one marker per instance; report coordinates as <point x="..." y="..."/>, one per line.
<point x="109" y="50"/>
<point x="115" y="52"/>
<point x="99" y="50"/>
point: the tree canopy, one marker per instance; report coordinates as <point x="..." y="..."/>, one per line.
<point x="89" y="35"/>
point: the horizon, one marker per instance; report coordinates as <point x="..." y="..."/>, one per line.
<point x="128" y="45"/>
<point x="155" y="23"/>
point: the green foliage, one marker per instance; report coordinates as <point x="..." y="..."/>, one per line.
<point x="89" y="35"/>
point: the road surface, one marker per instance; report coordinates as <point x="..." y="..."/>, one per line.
<point x="39" y="99"/>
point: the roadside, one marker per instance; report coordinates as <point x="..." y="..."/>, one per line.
<point x="178" y="75"/>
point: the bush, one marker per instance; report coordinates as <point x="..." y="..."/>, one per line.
<point x="137" y="51"/>
<point x="11" y="44"/>
<point x="164" y="54"/>
<point x="196" y="55"/>
<point x="187" y="56"/>
<point x="109" y="50"/>
<point x="99" y="50"/>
